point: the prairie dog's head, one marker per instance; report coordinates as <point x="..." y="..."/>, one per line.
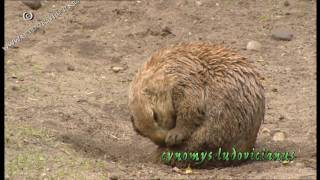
<point x="151" y="108"/>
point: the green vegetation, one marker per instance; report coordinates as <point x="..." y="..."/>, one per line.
<point x="34" y="153"/>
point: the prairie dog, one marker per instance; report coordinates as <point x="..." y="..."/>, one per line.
<point x="197" y="96"/>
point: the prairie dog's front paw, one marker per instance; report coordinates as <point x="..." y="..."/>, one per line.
<point x="175" y="137"/>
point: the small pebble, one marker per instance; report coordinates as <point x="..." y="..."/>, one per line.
<point x="175" y="169"/>
<point x="253" y="45"/>
<point x="278" y="136"/>
<point x="188" y="170"/>
<point x="282" y="35"/>
<point x="117" y="69"/>
<point x="285" y="162"/>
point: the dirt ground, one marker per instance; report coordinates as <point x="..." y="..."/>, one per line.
<point x="65" y="108"/>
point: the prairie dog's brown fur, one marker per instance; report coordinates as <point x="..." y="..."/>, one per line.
<point x="197" y="96"/>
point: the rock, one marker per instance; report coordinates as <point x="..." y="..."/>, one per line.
<point x="286" y="3"/>
<point x="279" y="136"/>
<point x="32" y="4"/>
<point x="117" y="69"/>
<point x="282" y="35"/>
<point x="253" y="45"/>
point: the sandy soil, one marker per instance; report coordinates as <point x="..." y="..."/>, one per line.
<point x="66" y="112"/>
